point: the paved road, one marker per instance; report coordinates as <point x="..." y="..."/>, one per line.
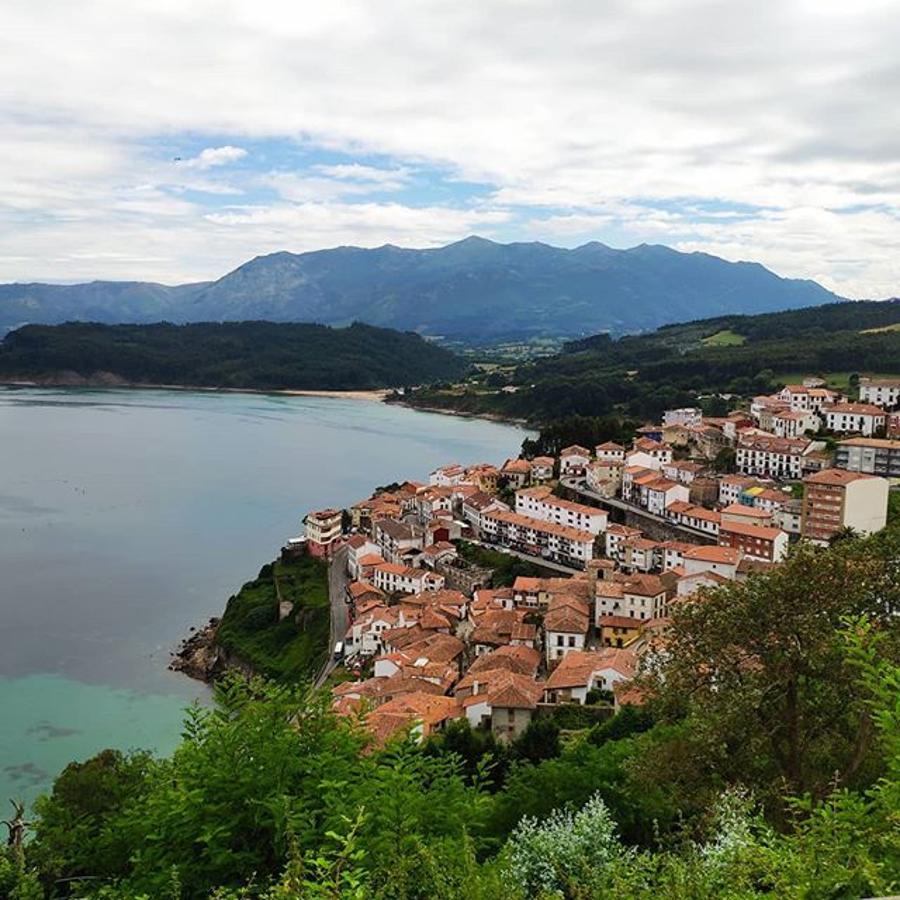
<point x="337" y="593"/>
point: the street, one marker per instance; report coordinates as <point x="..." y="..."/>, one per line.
<point x="337" y="593"/>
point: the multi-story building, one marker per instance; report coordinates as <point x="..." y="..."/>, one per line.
<point x="395" y="538"/>
<point x="884" y="392"/>
<point x="835" y="499"/>
<point x="656" y="495"/>
<point x="872" y="456"/>
<point x="754" y="541"/>
<point x="516" y="472"/>
<point x="639" y="597"/>
<point x="854" y="418"/>
<point x="534" y="537"/>
<point x="573" y="461"/>
<point x="772" y="456"/>
<point x="323" y="531"/>
<point x="610" y="452"/>
<point x="794" y="423"/>
<point x="541" y="503"/>
<point x="393" y="578"/>
<point x="801" y="397"/>
<point x="542" y="468"/>
<point x="686" y="415"/>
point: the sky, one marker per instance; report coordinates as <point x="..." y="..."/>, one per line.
<point x="172" y="141"/>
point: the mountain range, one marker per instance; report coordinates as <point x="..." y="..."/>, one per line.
<point x="474" y="289"/>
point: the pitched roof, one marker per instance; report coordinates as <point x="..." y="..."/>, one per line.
<point x="747" y="529"/>
<point x="714" y="554"/>
<point x="747" y="512"/>
<point x="836" y="477"/>
<point x="577" y="666"/>
<point x="575" y="450"/>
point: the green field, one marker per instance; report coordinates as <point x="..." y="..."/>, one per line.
<point x="894" y="327"/>
<point x="725" y="338"/>
<point x="294" y="649"/>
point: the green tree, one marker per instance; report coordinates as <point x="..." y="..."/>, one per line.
<point x="756" y="675"/>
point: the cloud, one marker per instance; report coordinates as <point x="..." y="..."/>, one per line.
<point x="214" y="156"/>
<point x="624" y="121"/>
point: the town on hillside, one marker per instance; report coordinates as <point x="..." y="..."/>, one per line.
<point x="620" y="534"/>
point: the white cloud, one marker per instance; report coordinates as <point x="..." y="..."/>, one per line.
<point x="214" y="156"/>
<point x="627" y="115"/>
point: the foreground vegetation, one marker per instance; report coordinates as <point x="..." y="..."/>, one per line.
<point x="293" y="647"/>
<point x="765" y="763"/>
<point x="256" y="355"/>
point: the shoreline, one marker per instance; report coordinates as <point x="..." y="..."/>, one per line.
<point x="377" y="395"/>
<point x="462" y="414"/>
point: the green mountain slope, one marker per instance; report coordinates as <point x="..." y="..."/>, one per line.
<point x="640" y="375"/>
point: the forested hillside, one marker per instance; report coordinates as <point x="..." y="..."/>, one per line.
<point x="259" y="355"/>
<point x="641" y="375"/>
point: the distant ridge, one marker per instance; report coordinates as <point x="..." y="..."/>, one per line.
<point x="472" y="289"/>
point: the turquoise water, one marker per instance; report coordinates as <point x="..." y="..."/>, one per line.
<point x="128" y="517"/>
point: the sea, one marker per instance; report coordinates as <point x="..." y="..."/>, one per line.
<point x="127" y="517"/>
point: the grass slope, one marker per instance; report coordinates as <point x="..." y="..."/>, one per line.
<point x="295" y="648"/>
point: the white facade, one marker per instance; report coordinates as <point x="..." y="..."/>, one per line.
<point x="541" y="504"/>
<point x="854" y="418"/>
<point x="885" y="393"/>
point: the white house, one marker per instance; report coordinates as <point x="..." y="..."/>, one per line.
<point x="661" y="492"/>
<point x="855" y="418"/>
<point x="719" y="560"/>
<point x="573" y="461"/>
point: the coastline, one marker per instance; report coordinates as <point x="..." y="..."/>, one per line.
<point x="376" y="395"/>
<point x="462" y="414"/>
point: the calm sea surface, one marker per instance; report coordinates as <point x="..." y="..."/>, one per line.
<point x="127" y="517"/>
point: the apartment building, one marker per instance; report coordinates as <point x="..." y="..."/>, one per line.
<point x="541" y="503"/>
<point x="534" y="537"/>
<point x="855" y="418"/>
<point x="871" y="456"/>
<point x="884" y="392"/>
<point x="772" y="456"/>
<point x="835" y="499"/>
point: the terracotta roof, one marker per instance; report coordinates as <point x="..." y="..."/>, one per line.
<point x="370" y="559"/>
<point x="517" y="466"/>
<point x="620" y="622"/>
<point x="714" y="554"/>
<point x="512" y="691"/>
<point x="577" y="666"/>
<point x="748" y="512"/>
<point x="877" y="443"/>
<point x="835" y="477"/>
<point x="855" y="409"/>
<point x="523" y="632"/>
<point x="762" y="532"/>
<point x="425" y="707"/>
<point x="568" y="615"/>
<point x="524" y="660"/>
<point x="575" y="450"/>
<point x="564" y="531"/>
